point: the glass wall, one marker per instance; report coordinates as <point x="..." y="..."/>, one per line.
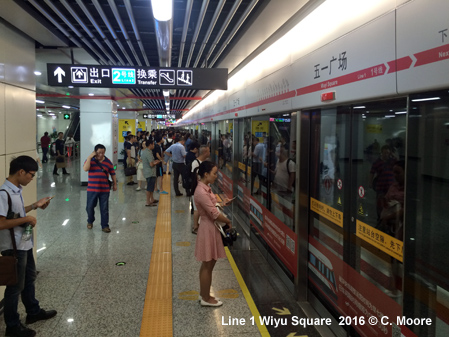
<point x="427" y="212"/>
<point x="357" y="173"/>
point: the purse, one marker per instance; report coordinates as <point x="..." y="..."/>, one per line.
<point x="227" y="235"/>
<point x="130" y="171"/>
<point x="8" y="264"/>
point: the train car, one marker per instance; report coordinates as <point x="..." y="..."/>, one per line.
<point x="361" y="107"/>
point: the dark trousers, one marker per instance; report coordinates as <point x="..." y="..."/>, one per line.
<point x="44" y="156"/>
<point x="55" y="170"/>
<point x="26" y="272"/>
<point x="177" y="170"/>
<point x="92" y="200"/>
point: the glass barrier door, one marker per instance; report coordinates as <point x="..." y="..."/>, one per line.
<point x="357" y="206"/>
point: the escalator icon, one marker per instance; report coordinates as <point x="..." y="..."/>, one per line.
<point x="166" y="77"/>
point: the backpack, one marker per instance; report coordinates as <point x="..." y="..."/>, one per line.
<point x="188" y="176"/>
<point x="168" y="144"/>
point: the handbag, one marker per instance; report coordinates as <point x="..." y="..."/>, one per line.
<point x="60" y="162"/>
<point x="104" y="171"/>
<point x="130" y="171"/>
<point x="227" y="235"/>
<point x="8" y="264"/>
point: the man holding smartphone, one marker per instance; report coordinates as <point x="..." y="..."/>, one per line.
<point x="98" y="188"/>
<point x="21" y="171"/>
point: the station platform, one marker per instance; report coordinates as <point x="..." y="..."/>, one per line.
<point x="142" y="278"/>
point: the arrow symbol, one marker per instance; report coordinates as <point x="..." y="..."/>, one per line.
<point x="59" y="72"/>
<point x="293" y="334"/>
<point x="283" y="311"/>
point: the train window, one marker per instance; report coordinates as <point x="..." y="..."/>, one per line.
<point x="243" y="165"/>
<point x="280" y="162"/>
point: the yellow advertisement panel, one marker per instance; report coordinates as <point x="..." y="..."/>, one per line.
<point x="141" y="126"/>
<point x="326" y="211"/>
<point x="379" y="239"/>
<point x="260" y="129"/>
<point x="373" y="128"/>
<point x="125" y="125"/>
<point x="230" y="126"/>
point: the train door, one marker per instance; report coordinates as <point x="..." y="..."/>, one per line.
<point x="356" y="205"/>
<point x="242" y="146"/>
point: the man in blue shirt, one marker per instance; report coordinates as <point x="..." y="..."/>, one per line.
<point x="21" y="171"/>
<point x="178" y="153"/>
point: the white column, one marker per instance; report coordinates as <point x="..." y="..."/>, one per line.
<point x="98" y="122"/>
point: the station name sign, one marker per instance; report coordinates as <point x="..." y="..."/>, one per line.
<point x="137" y="77"/>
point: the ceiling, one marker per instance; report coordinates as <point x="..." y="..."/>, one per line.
<point x="122" y="32"/>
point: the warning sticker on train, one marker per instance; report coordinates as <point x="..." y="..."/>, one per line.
<point x="361" y="191"/>
<point x="339" y="184"/>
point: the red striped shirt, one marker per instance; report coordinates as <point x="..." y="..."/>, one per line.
<point x="98" y="181"/>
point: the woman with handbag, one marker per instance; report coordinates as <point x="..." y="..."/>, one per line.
<point x="209" y="244"/>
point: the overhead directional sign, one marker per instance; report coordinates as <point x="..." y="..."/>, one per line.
<point x="137" y="77"/>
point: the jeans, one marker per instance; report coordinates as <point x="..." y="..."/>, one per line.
<point x="26" y="272"/>
<point x="92" y="199"/>
<point x="44" y="156"/>
<point x="169" y="166"/>
<point x="177" y="170"/>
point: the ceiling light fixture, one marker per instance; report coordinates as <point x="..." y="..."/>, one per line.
<point x="37" y="73"/>
<point x="66" y="107"/>
<point x="91" y="94"/>
<point x="426" y="99"/>
<point x="162" y="9"/>
<point x="41" y="102"/>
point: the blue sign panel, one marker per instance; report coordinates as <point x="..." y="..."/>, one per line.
<point x="123" y="76"/>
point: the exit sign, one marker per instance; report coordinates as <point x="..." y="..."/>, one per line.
<point x="66" y="116"/>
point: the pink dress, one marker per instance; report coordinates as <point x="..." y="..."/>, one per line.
<point x="209" y="245"/>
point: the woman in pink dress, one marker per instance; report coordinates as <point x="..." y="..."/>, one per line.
<point x="209" y="245"/>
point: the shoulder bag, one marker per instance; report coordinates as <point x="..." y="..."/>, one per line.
<point x="8" y="264"/>
<point x="104" y="171"/>
<point x="227" y="235"/>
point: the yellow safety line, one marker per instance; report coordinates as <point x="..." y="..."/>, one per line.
<point x="252" y="306"/>
<point x="157" y="317"/>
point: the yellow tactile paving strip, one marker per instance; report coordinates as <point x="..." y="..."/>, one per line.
<point x="157" y="318"/>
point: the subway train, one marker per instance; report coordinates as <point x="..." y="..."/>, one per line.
<point x="336" y="141"/>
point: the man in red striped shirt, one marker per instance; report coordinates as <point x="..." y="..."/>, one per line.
<point x="98" y="186"/>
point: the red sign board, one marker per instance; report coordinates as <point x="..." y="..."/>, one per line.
<point x="328" y="96"/>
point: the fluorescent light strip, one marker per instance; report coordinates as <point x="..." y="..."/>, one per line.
<point x="359" y="107"/>
<point x="39" y="101"/>
<point x="65" y="222"/>
<point x="37" y="251"/>
<point x="426" y="99"/>
<point x="400" y="112"/>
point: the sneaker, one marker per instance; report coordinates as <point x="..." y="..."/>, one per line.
<point x="56" y="174"/>
<point x="41" y="316"/>
<point x="130" y="183"/>
<point x="106" y="230"/>
<point x="169" y="172"/>
<point x="163" y="192"/>
<point x="138" y="189"/>
<point x="19" y="331"/>
<point x="155" y="201"/>
<point x="89" y="226"/>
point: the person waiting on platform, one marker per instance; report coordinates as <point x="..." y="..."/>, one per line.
<point x="45" y="142"/>
<point x="149" y="171"/>
<point x="98" y="189"/>
<point x="69" y="143"/>
<point x="209" y="245"/>
<point x="178" y="153"/>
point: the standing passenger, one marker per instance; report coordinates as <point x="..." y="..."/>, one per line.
<point x="98" y="189"/>
<point x="45" y="142"/>
<point x="60" y="153"/>
<point x="149" y="171"/>
<point x="209" y="245"/>
<point x="178" y="153"/>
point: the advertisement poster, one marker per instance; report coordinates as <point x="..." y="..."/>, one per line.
<point x="260" y="129"/>
<point x="125" y="125"/>
<point x="279" y="237"/>
<point x="353" y="295"/>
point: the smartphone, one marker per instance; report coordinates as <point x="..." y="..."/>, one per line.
<point x="233" y="198"/>
<point x="51" y="197"/>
